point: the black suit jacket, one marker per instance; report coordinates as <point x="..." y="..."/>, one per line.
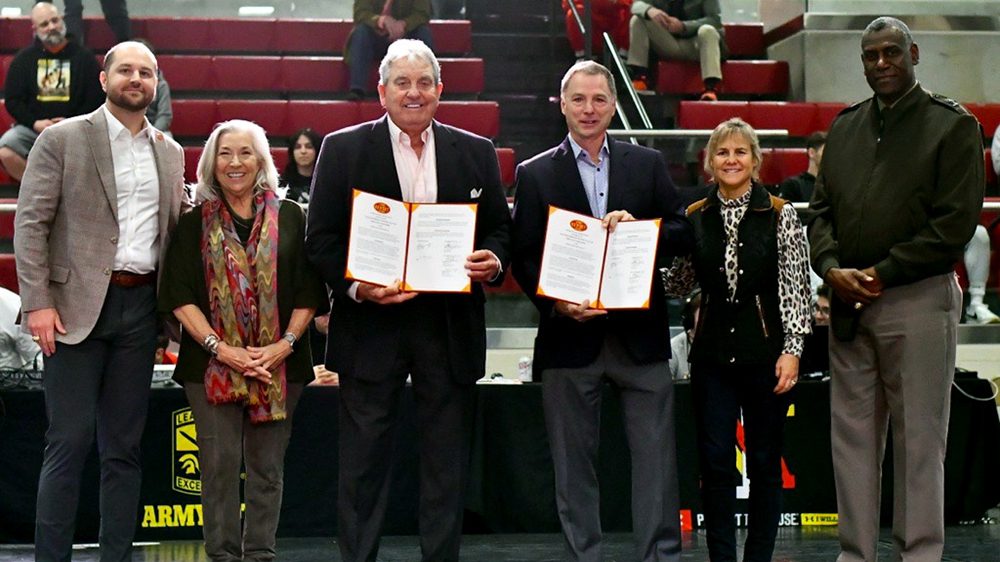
<point x="364" y="337"/>
<point x="637" y="183"/>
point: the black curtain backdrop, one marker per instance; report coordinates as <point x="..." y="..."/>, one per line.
<point x="511" y="488"/>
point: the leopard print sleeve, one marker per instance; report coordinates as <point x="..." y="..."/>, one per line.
<point x="679" y="279"/>
<point x="794" y="300"/>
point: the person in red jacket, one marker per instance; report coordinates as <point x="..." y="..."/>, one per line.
<point x="609" y="16"/>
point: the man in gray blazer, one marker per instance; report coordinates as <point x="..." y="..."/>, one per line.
<point x="99" y="198"/>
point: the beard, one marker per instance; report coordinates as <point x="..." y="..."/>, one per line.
<point x="131" y="104"/>
<point x="53" y="38"/>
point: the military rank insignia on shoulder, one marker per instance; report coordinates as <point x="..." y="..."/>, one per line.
<point x="949" y="103"/>
<point x="853" y="106"/>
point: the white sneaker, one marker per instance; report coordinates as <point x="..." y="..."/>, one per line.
<point x="979" y="313"/>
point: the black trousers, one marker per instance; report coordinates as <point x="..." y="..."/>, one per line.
<point x="99" y="386"/>
<point x="115" y="13"/>
<point x="368" y="416"/>
<point x="720" y="392"/>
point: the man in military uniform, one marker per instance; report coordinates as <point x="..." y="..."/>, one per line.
<point x="896" y="200"/>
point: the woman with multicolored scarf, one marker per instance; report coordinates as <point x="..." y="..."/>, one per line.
<point x="237" y="278"/>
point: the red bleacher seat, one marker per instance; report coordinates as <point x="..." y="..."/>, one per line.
<point x="4" y="64"/>
<point x="799" y="118"/>
<point x="192" y="72"/>
<point x="233" y="35"/>
<point x="759" y="77"/>
<point x="8" y="272"/>
<point x="272" y="115"/>
<point x="991" y="174"/>
<point x="323" y="116"/>
<point x="259" y="74"/>
<point x="826" y="112"/>
<point x="15" y="33"/>
<point x="745" y="40"/>
<point x="5" y="119"/>
<point x="781" y="163"/>
<point x="778" y="164"/>
<point x="505" y="156"/>
<point x="196" y="118"/>
<point x="7" y="223"/>
<point x="707" y="115"/>
<point x="988" y="115"/>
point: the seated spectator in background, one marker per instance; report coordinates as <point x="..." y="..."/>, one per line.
<point x="376" y="24"/>
<point x="163" y="354"/>
<point x="609" y="16"/>
<point x="821" y="310"/>
<point x="160" y="112"/>
<point x="115" y="13"/>
<point x="681" y="343"/>
<point x="977" y="266"/>
<point x="48" y="81"/>
<point x="681" y="30"/>
<point x="449" y="9"/>
<point x="298" y="172"/>
<point x="799" y="189"/>
<point x="17" y="349"/>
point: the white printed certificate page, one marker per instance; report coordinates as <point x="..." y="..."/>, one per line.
<point x="572" y="257"/>
<point x="629" y="263"/>
<point x="376" y="251"/>
<point x="441" y="238"/>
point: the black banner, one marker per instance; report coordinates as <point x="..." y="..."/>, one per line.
<point x="511" y="488"/>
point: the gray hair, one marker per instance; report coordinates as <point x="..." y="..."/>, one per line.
<point x="413" y="50"/>
<point x="888" y="22"/>
<point x="207" y="187"/>
<point x="592" y="68"/>
<point x="726" y="129"/>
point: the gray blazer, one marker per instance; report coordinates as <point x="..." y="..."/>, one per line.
<point x="66" y="227"/>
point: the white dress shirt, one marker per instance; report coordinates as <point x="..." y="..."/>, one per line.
<point x="138" y="188"/>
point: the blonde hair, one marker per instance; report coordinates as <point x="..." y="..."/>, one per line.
<point x="726" y="129"/>
<point x="207" y="187"/>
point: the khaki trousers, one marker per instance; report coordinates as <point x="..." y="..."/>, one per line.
<point x="226" y="438"/>
<point x="704" y="47"/>
<point x="899" y="367"/>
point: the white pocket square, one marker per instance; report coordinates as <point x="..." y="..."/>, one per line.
<point x="475" y="193"/>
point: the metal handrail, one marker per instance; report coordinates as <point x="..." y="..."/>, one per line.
<point x="686" y="133"/>
<point x="585" y="28"/>
<point x="612" y="52"/>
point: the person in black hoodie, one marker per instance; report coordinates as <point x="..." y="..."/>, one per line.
<point x="750" y="260"/>
<point x="303" y="147"/>
<point x="48" y="81"/>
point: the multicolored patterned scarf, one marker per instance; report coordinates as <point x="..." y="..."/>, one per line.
<point x="243" y="301"/>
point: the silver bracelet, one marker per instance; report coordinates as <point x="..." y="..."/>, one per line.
<point x="211" y="344"/>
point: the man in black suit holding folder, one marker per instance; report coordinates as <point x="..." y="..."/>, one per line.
<point x="579" y="348"/>
<point x="379" y="335"/>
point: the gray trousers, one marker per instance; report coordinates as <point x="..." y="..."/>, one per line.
<point x="226" y="438"/>
<point x="572" y="401"/>
<point x="100" y="385"/>
<point x="900" y="366"/>
<point x="704" y="47"/>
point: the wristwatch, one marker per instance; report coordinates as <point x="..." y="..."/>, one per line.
<point x="290" y="338"/>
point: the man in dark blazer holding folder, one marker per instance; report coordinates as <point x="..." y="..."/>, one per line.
<point x="379" y="335"/>
<point x="579" y="348"/>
